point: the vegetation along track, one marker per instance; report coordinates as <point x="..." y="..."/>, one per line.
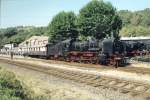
<point x="123" y="86"/>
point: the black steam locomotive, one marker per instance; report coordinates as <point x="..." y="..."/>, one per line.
<point x="107" y="51"/>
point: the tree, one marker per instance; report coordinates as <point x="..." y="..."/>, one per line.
<point x="125" y="16"/>
<point x="10" y="31"/>
<point x="145" y="18"/>
<point x="19" y="34"/>
<point x="99" y="19"/>
<point x="132" y="31"/>
<point x="135" y="23"/>
<point x="62" y="27"/>
<point x="135" y="19"/>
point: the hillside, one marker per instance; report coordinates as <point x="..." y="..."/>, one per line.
<point x="19" y="34"/>
<point x="135" y="23"/>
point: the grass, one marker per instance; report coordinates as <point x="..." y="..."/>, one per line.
<point x="10" y="87"/>
<point x="142" y="58"/>
<point x="13" y="89"/>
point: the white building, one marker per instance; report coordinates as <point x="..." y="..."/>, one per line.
<point x="35" y="43"/>
<point x="7" y="48"/>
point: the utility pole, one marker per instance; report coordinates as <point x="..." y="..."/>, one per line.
<point x="0" y="12"/>
<point x="27" y="46"/>
<point x="11" y="52"/>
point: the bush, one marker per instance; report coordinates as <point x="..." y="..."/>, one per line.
<point x="13" y="89"/>
<point x="10" y="87"/>
<point x="143" y="58"/>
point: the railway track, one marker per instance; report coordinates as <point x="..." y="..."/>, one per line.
<point x="133" y="88"/>
<point x="137" y="70"/>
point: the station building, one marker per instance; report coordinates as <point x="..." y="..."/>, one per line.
<point x="7" y="48"/>
<point x="35" y="43"/>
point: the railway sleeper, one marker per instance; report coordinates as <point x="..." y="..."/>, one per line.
<point x="81" y="76"/>
<point x="120" y="84"/>
<point x="140" y="88"/>
<point x="91" y="78"/>
<point x="78" y="77"/>
<point x="86" y="79"/>
<point x="72" y="77"/>
<point x="99" y="83"/>
<point x="94" y="82"/>
<point x="133" y="91"/>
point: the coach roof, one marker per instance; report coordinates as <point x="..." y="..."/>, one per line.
<point x="135" y="38"/>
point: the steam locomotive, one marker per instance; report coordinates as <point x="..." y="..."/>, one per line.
<point x="107" y="51"/>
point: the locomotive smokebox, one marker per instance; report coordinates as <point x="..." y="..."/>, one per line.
<point x="107" y="47"/>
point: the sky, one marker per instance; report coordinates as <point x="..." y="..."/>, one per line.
<point x="40" y="12"/>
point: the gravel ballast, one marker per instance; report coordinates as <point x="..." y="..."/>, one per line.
<point x="59" y="89"/>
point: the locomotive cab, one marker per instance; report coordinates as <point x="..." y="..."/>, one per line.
<point x="113" y="52"/>
<point x="107" y="47"/>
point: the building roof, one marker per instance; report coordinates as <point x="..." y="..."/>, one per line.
<point x="135" y="38"/>
<point x="39" y="38"/>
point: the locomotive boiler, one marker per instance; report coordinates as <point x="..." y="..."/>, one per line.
<point x="107" y="51"/>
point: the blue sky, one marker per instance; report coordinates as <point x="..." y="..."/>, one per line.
<point x="40" y="12"/>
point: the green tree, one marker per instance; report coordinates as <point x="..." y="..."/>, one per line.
<point x="135" y="23"/>
<point x="63" y="26"/>
<point x="136" y="19"/>
<point x="19" y="34"/>
<point x="145" y="18"/>
<point x="125" y="16"/>
<point x="36" y="31"/>
<point x="99" y="19"/>
<point x="10" y="32"/>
